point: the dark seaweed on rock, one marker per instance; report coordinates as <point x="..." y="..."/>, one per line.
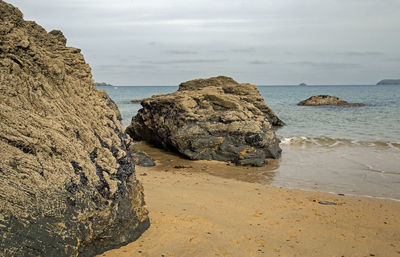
<point x="67" y="181"/>
<point x="142" y="158"/>
<point x="210" y="119"/>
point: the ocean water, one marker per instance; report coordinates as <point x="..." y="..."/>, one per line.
<point x="352" y="150"/>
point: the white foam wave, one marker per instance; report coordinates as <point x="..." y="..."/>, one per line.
<point x="337" y="142"/>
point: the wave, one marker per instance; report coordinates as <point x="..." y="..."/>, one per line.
<point x="369" y="168"/>
<point x="336" y="142"/>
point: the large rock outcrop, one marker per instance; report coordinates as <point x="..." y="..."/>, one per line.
<point x="67" y="181"/>
<point x="214" y="118"/>
<point x="327" y="100"/>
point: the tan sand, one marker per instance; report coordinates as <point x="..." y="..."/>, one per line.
<point x="197" y="214"/>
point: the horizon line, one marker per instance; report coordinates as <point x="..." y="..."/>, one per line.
<point x="261" y="85"/>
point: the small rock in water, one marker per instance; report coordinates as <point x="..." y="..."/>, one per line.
<point x="327" y="100"/>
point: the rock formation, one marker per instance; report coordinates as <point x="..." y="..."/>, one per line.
<point x="67" y="181"/>
<point x="389" y="82"/>
<point x="214" y="118"/>
<point x="327" y="100"/>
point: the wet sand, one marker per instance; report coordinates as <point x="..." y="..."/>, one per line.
<point x="324" y="166"/>
<point x="196" y="214"/>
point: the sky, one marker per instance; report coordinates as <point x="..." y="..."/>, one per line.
<point x="264" y="42"/>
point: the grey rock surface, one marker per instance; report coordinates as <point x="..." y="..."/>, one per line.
<point x="142" y="158"/>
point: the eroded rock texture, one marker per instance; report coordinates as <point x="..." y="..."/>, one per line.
<point x="67" y="181"/>
<point x="214" y="118"/>
<point x="327" y="100"/>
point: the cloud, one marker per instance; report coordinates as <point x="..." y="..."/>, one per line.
<point x="394" y="59"/>
<point x="362" y="54"/>
<point x="183" y="22"/>
<point x="181" y="52"/>
<point x="326" y="65"/>
<point x="182" y="38"/>
<point x="258" y="62"/>
<point x="122" y="67"/>
<point x="243" y="50"/>
<point x="188" y="61"/>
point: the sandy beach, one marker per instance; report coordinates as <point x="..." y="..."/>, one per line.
<point x="197" y="214"/>
<point x="287" y="114"/>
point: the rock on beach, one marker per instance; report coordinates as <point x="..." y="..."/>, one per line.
<point x="67" y="178"/>
<point x="210" y="119"/>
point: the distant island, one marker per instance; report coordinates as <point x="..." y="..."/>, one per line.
<point x="389" y="82"/>
<point x="302" y="84"/>
<point x="102" y="84"/>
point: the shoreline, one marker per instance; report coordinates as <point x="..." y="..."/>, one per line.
<point x="197" y="214"/>
<point x="302" y="167"/>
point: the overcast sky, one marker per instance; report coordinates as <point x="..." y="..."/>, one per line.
<point x="265" y="42"/>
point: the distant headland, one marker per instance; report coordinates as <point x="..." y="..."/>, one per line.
<point x="389" y="82"/>
<point x="102" y="84"/>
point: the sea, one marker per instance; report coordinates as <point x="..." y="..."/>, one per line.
<point x="343" y="150"/>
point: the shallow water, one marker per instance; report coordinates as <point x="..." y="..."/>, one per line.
<point x="352" y="150"/>
<point x="379" y="120"/>
<point x="342" y="167"/>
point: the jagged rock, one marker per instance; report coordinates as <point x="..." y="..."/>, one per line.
<point x="67" y="181"/>
<point x="214" y="118"/>
<point x="110" y="103"/>
<point x="327" y="100"/>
